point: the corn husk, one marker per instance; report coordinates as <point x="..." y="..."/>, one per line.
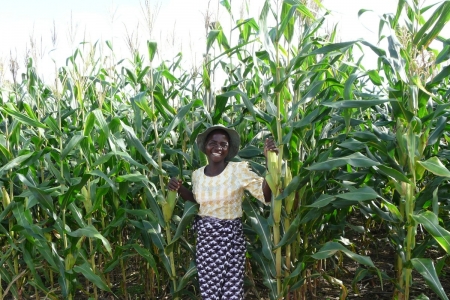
<point x="289" y="200"/>
<point x="5" y="197"/>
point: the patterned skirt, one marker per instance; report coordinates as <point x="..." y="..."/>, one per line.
<point x="220" y="258"/>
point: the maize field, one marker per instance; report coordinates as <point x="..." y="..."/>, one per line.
<point x="360" y="204"/>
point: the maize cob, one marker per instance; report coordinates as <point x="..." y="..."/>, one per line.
<point x="270" y="182"/>
<point x="171" y="201"/>
<point x="87" y="200"/>
<point x="167" y="204"/>
<point x="5" y="196"/>
<point x="69" y="261"/>
<point x="289" y="200"/>
<point x="272" y="179"/>
<point x="272" y="165"/>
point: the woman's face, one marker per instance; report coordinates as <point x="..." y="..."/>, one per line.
<point x="217" y="146"/>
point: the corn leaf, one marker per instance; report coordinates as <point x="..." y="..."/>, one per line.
<point x="87" y="272"/>
<point x="355" y="160"/>
<point x="331" y="248"/>
<point x="431" y="223"/>
<point x="435" y="166"/>
<point x="426" y="268"/>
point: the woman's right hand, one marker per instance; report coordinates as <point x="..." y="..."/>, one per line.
<point x="174" y="184"/>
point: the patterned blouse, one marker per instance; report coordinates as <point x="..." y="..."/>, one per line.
<point x="221" y="196"/>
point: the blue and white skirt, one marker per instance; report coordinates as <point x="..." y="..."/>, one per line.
<point x="220" y="258"/>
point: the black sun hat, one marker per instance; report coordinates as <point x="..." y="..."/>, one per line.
<point x="235" y="140"/>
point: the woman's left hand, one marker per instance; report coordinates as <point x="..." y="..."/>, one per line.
<point x="269" y="145"/>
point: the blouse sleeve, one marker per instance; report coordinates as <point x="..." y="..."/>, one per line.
<point x="250" y="181"/>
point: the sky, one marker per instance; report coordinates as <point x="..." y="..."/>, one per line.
<point x="178" y="26"/>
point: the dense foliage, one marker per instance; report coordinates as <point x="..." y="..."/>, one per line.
<point x="85" y="162"/>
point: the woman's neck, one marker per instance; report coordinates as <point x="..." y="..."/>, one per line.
<point x="214" y="169"/>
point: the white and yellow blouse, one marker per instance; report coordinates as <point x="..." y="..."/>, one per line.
<point x="221" y="196"/>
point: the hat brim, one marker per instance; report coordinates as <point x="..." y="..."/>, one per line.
<point x="235" y="140"/>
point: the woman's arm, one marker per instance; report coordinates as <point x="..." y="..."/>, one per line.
<point x="177" y="185"/>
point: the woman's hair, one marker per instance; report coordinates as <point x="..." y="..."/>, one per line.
<point x="218" y="131"/>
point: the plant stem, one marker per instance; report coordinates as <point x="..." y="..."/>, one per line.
<point x="172" y="261"/>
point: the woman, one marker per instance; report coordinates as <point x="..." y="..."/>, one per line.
<point x="219" y="189"/>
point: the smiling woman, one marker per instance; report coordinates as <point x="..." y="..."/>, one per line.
<point x="219" y="189"/>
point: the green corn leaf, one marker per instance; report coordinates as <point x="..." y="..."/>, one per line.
<point x="352" y="145"/>
<point x="268" y="272"/>
<point x="74" y="141"/>
<point x="355" y="103"/>
<point x="177" y="120"/>
<point x="436" y="134"/>
<point x="212" y="36"/>
<point x="331" y="248"/>
<point x="101" y="121"/>
<point x="11" y="110"/>
<point x="78" y="214"/>
<point x="378" y="51"/>
<point x="142" y="74"/>
<point x="106" y="178"/>
<point x="323" y="200"/>
<point x="51" y="123"/>
<point x="15" y="163"/>
<point x="87" y="272"/>
<point x="264" y="32"/>
<point x="151" y="47"/>
<point x="259" y="224"/>
<point x="361" y="194"/>
<point x="91" y="232"/>
<point x="348" y="87"/>
<point x="291" y="188"/>
<point x="393" y="209"/>
<point x="431" y="223"/>
<point x="190" y="211"/>
<point x="439" y="18"/>
<point x="392" y="173"/>
<point x="141" y="101"/>
<point x="74" y="189"/>
<point x="147" y="255"/>
<point x="287" y="22"/>
<point x="250" y="152"/>
<point x="105" y="158"/>
<point x="435" y="166"/>
<point x="374" y="77"/>
<point x="445" y="73"/>
<point x="356" y="160"/>
<point x="135" y="142"/>
<point x="291" y="234"/>
<point x="331" y="48"/>
<point x="313" y="91"/>
<point x="41" y="195"/>
<point x="89" y="124"/>
<point x="192" y="271"/>
<point x="154" y="230"/>
<point x="136" y="177"/>
<point x="426" y="268"/>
